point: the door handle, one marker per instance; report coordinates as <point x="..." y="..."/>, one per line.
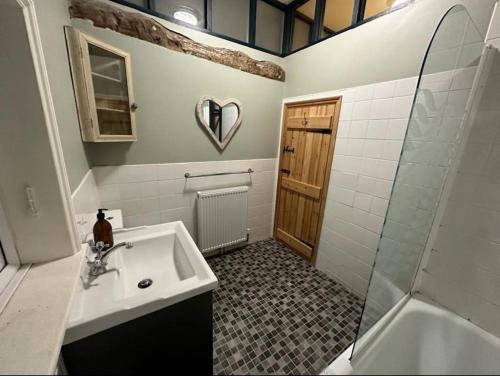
<point x="288" y="149"/>
<point x="285" y="171"/>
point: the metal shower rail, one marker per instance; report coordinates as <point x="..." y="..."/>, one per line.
<point x="187" y="175"/>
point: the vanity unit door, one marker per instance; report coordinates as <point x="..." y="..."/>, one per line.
<point x="307" y="145"/>
<point x="103" y="89"/>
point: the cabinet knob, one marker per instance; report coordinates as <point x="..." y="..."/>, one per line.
<point x="134" y="106"/>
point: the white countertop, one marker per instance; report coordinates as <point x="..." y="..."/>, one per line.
<point x="33" y="323"/>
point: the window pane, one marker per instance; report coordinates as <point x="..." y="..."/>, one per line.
<point x="306" y="11"/>
<point x="230" y="18"/>
<point x="374" y="7"/>
<point x="338" y="16"/>
<point x="269" y="27"/>
<point x="142" y="3"/>
<point x="191" y="12"/>
<point x="304" y="19"/>
<point x="300" y="34"/>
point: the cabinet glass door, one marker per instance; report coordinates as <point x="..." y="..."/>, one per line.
<point x="111" y="91"/>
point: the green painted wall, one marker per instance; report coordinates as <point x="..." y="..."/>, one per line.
<point x="167" y="86"/>
<point x="388" y="48"/>
<point x="52" y="16"/>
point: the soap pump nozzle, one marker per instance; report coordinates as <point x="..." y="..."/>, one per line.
<point x="100" y="214"/>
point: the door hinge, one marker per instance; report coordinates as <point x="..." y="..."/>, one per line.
<point x="288" y="149"/>
<point x="285" y="171"/>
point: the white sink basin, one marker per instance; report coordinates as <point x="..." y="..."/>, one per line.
<point x="164" y="253"/>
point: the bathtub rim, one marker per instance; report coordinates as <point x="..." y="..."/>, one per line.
<point x="343" y="364"/>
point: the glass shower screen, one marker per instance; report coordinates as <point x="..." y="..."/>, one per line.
<point x="432" y="138"/>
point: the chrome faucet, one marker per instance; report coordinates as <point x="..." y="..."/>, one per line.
<point x="98" y="266"/>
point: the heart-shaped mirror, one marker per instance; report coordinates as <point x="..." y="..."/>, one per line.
<point x="221" y="118"/>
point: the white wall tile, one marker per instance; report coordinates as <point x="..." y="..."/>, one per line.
<point x="396" y="129"/>
<point x="343" y="129"/>
<point x="355" y="147"/>
<point x="386" y="169"/>
<point x="138" y="173"/>
<point x="346" y="111"/>
<point x="348" y="96"/>
<point x="401" y="107"/>
<point x="131" y="208"/>
<point x="343" y="179"/>
<point x="406" y="87"/>
<point x="151" y="194"/>
<point x="362" y="201"/>
<point x="364" y="169"/>
<point x="375" y="187"/>
<point x="384" y="90"/>
<point x="342" y="211"/>
<point x="377" y="129"/>
<point x="379" y="206"/>
<point x="361" y="110"/>
<point x="373" y="148"/>
<point x="358" y="129"/>
<point x="391" y="150"/>
<point x="369" y="167"/>
<point x="109" y="192"/>
<point x="462" y="272"/>
<point x="382" y="109"/>
<point x="347" y="164"/>
<point x="342" y="146"/>
<point x="368" y="221"/>
<point x="150" y="219"/>
<point x="129" y="191"/>
<point x="364" y="93"/>
<point x="342" y="195"/>
<point x="463" y="78"/>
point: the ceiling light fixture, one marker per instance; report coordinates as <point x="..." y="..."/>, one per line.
<point x="186" y="15"/>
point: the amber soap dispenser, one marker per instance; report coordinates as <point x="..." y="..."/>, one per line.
<point x="103" y="231"/>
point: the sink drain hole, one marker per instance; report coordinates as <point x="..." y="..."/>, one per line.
<point x="145" y="283"/>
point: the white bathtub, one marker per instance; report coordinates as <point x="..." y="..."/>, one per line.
<point x="423" y="339"/>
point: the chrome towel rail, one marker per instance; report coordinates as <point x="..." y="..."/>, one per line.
<point x="187" y="175"/>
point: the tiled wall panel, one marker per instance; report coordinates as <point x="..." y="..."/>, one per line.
<point x="152" y="194"/>
<point x="463" y="270"/>
<point x="372" y="126"/>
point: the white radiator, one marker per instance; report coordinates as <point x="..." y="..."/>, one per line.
<point x="222" y="217"/>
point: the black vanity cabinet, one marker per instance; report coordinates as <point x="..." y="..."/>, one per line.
<point x="175" y="339"/>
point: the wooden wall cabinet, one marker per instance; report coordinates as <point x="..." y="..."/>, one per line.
<point x="102" y="82"/>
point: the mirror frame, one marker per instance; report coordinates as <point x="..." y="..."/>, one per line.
<point x="221" y="103"/>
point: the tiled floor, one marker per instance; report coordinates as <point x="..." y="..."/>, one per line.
<point x="275" y="314"/>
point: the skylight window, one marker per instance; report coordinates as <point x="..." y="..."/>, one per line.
<point x="279" y="27"/>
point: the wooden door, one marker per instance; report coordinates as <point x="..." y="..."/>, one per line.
<point x="307" y="144"/>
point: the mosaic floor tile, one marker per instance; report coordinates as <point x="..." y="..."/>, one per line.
<point x="276" y="314"/>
